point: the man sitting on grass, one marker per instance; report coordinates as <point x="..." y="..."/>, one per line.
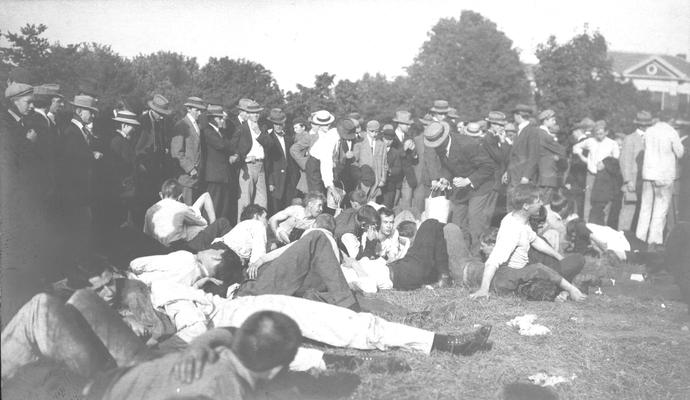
<point x="289" y="224"/>
<point x="513" y="242"/>
<point x="175" y="224"/>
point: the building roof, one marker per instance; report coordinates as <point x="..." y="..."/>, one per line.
<point x="623" y="62"/>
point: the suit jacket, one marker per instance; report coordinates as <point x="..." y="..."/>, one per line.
<point x="300" y="153"/>
<point x="216" y="153"/>
<point x="467" y="158"/>
<point x="281" y="170"/>
<point x="499" y="153"/>
<point x="409" y="160"/>
<point x="122" y="161"/>
<point x="524" y="156"/>
<point x="376" y="160"/>
<point x="551" y="160"/>
<point x="630" y="160"/>
<point x="186" y="146"/>
<point x="75" y="164"/>
<point x="395" y="158"/>
<point x="241" y="141"/>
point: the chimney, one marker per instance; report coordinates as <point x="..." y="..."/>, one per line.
<point x="683" y="56"/>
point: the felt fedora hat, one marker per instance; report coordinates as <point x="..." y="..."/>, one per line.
<point x="347" y="129"/>
<point x="322" y="117"/>
<point x="586" y="124"/>
<point x="496" y="117"/>
<point x="18" y="90"/>
<point x="160" y="105"/>
<point x="373" y="125"/>
<point x="48" y="90"/>
<point x="195" y="102"/>
<point x="250" y="106"/>
<point x="436" y="133"/>
<point x="403" y="117"/>
<point x="523" y="108"/>
<point x="215" y="110"/>
<point x="277" y="116"/>
<point x="440" y="107"/>
<point x="643" y="118"/>
<point x="126" y="117"/>
<point x="84" y="101"/>
<point x="473" y="129"/>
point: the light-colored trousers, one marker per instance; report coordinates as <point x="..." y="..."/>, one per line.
<point x="653" y="209"/>
<point x="589" y="183"/>
<point x="326" y="323"/>
<point x="252" y="187"/>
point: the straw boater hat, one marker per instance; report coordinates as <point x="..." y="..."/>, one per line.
<point x="126" y="117"/>
<point x="347" y="129"/>
<point x="84" y="101"/>
<point x="215" y="110"/>
<point x="250" y="106"/>
<point x="195" y="102"/>
<point x="18" y="90"/>
<point x="322" y="117"/>
<point x="277" y="116"/>
<point x="546" y="114"/>
<point x="496" y="117"/>
<point x="160" y="105"/>
<point x="643" y="118"/>
<point x="453" y="113"/>
<point x="403" y="117"/>
<point x="436" y="133"/>
<point x="473" y="129"/>
<point x="48" y="90"/>
<point x="440" y="107"/>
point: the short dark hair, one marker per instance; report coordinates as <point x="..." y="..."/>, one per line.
<point x="407" y="229"/>
<point x="535" y="221"/>
<point x="367" y="216"/>
<point x="524" y="193"/>
<point x="171" y="189"/>
<point x="266" y="340"/>
<point x="386" y="212"/>
<point x="228" y="272"/>
<point x="325" y="221"/>
<point x="251" y="211"/>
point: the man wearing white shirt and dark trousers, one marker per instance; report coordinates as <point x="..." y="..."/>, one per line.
<point x="249" y="156"/>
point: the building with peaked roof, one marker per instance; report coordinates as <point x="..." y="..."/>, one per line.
<point x="666" y="77"/>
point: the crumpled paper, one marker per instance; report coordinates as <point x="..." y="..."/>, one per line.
<point x="527" y="327"/>
<point x="543" y="379"/>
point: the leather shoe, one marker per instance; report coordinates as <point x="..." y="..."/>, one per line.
<point x="468" y="343"/>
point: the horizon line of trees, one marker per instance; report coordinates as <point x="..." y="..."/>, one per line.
<point x="466" y="61"/>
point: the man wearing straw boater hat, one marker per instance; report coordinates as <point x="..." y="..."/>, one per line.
<point x="249" y="156"/>
<point x="282" y="172"/>
<point x="123" y="164"/>
<point x="152" y="152"/>
<point x="185" y="147"/>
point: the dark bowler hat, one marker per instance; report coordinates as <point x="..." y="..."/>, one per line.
<point x="277" y="116"/>
<point x="18" y="90"/>
<point x="160" y="105"/>
<point x="440" y="107"/>
<point x="48" y="90"/>
<point x="195" y="102"/>
<point x="215" y="110"/>
<point x="436" y="133"/>
<point x="523" y="108"/>
<point x="496" y="117"/>
<point x="347" y="129"/>
<point x="250" y="106"/>
<point x="84" y="101"/>
<point x="126" y="117"/>
<point x="643" y="118"/>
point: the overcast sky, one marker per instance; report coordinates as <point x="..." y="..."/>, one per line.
<point x="298" y="39"/>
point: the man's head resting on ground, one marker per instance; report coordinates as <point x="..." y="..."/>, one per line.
<point x="266" y="343"/>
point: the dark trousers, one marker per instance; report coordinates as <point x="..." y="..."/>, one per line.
<point x="568" y="268"/>
<point x="309" y="269"/>
<point x="203" y="239"/>
<point x="312" y="171"/>
<point x="597" y="214"/>
<point x="222" y="196"/>
<point x="474" y="217"/>
<point x="425" y="261"/>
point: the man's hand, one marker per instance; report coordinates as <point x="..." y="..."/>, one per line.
<point x="251" y="159"/>
<point x="271" y="188"/>
<point x="32" y="136"/>
<point x="191" y="363"/>
<point x="253" y="269"/>
<point x="349" y="154"/>
<point x="600" y="166"/>
<point x="461" y="182"/>
<point x="233" y="158"/>
<point x="524" y="180"/>
<point x="409" y="145"/>
<point x="504" y="178"/>
<point x="479" y="294"/>
<point x="97" y="155"/>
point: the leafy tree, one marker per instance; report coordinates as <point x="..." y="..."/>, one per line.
<point x="27" y="47"/>
<point x="576" y="81"/>
<point x="470" y="63"/>
<point x="374" y="97"/>
<point x="171" y="74"/>
<point x="310" y="99"/>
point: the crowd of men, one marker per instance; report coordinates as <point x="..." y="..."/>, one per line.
<point x="222" y="213"/>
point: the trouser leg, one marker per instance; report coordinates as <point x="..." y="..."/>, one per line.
<point x="406" y="193"/>
<point x="246" y="189"/>
<point x="625" y="218"/>
<point x="480" y="209"/>
<point x="662" y="200"/>
<point x="596" y="213"/>
<point x="588" y="194"/>
<point x="260" y="189"/>
<point x="332" y="325"/>
<point x="420" y="193"/>
<point x="45" y="327"/>
<point x="459" y="217"/>
<point x="646" y="204"/>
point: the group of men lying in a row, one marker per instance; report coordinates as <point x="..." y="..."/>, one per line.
<point x="301" y="289"/>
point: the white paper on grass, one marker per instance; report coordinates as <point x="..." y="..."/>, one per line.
<point x="527" y="327"/>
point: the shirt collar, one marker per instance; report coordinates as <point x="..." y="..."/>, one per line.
<point x="14" y="115"/>
<point x="450" y="140"/>
<point x="78" y="123"/>
<point x="522" y="125"/>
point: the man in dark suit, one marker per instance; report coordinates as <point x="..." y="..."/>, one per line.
<point x="551" y="156"/>
<point x="467" y="166"/>
<point x="394" y="158"/>
<point x="217" y="170"/>
<point x="249" y="156"/>
<point x="282" y="172"/>
<point x="404" y="140"/>
<point x="523" y="165"/>
<point x="186" y="148"/>
<point x="122" y="161"/>
<point x="152" y="153"/>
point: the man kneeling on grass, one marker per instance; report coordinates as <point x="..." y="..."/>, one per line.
<point x="515" y="237"/>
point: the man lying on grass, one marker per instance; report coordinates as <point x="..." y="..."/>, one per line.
<point x="515" y="237"/>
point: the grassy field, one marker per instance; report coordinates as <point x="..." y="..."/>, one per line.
<point x="630" y="342"/>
